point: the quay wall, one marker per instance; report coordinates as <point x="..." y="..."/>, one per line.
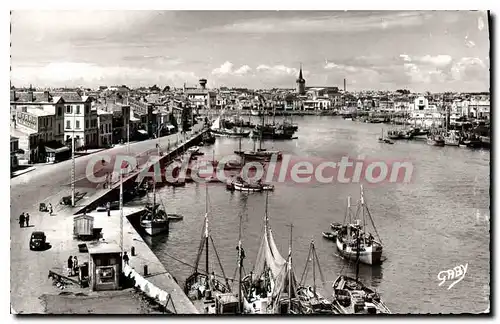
<point x="113" y="193"/>
<point x="151" y="286"/>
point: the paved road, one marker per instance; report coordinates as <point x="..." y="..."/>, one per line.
<point x="48" y="184"/>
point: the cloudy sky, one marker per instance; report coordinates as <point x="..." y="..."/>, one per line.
<point x="417" y="50"/>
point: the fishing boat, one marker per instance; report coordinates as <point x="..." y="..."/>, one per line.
<point x="336" y="226"/>
<point x="394" y="134"/>
<point x="194" y="151"/>
<point x="208" y="138"/>
<point x="311" y="300"/>
<point x="351" y="296"/>
<point x="255" y="112"/>
<point x="452" y="138"/>
<point x="155" y="220"/>
<point x="485" y="141"/>
<point x="260" y="154"/>
<point x="203" y="287"/>
<point x="257" y="287"/>
<point x="370" y="250"/>
<point x="332" y="236"/>
<point x="174" y="217"/>
<point x="384" y="139"/>
<point x="270" y="288"/>
<point x="239" y="184"/>
<point x="217" y="130"/>
<point x="435" y="140"/>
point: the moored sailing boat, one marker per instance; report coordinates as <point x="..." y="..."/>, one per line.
<point x="351" y="296"/>
<point x="218" y="130"/>
<point x="201" y="287"/>
<point x="310" y="299"/>
<point x="452" y="138"/>
<point x="259" y="287"/>
<point x="155" y="221"/>
<point x="347" y="238"/>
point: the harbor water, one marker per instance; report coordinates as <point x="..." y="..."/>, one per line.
<point x="436" y="222"/>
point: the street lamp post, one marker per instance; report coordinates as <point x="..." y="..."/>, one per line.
<point x="73" y="164"/>
<point x="128" y="136"/>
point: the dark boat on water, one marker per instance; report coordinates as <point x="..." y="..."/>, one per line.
<point x="332" y="236"/>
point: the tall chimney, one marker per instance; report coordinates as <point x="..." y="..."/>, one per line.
<point x="344" y="84"/>
<point x="203" y="84"/>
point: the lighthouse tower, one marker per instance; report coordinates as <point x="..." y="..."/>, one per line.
<point x="301" y="84"/>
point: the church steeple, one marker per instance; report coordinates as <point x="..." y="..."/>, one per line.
<point x="301" y="83"/>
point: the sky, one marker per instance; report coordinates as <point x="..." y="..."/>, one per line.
<point x="374" y="50"/>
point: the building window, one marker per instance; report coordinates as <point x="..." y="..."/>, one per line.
<point x="68" y="124"/>
<point x="86" y="124"/>
<point x="87" y="109"/>
<point x="59" y="111"/>
<point x="77" y="124"/>
<point x="68" y="109"/>
<point x="78" y="109"/>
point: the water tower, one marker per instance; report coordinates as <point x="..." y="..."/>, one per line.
<point x="203" y="83"/>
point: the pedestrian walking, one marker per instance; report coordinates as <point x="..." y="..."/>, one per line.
<point x="21" y="220"/>
<point x="50" y="209"/>
<point x="75" y="265"/>
<point x="108" y="208"/>
<point x="125" y="258"/>
<point x="70" y="266"/>
<point x="27" y="219"/>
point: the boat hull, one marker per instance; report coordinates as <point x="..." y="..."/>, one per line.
<point x="155" y="229"/>
<point x="370" y="256"/>
<point x="433" y="142"/>
<point x="227" y="133"/>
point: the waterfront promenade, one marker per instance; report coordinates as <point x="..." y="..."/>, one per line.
<point x="49" y="184"/>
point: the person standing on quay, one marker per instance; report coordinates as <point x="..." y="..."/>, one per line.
<point x="70" y="266"/>
<point x="125" y="258"/>
<point x="75" y="265"/>
<point x="108" y="208"/>
<point x="27" y="219"/>
<point x="50" y="209"/>
<point x="21" y="220"/>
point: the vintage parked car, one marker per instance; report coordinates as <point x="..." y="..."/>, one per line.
<point x="38" y="241"/>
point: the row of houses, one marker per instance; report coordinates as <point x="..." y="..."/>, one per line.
<point x="46" y="124"/>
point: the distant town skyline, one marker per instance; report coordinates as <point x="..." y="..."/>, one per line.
<point x="421" y="51"/>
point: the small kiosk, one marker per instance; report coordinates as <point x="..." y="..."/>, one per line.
<point x="105" y="267"/>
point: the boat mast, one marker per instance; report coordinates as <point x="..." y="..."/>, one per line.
<point x="240" y="266"/>
<point x="290" y="272"/>
<point x="363" y="208"/>
<point x="314" y="267"/>
<point x="154" y="187"/>
<point x="348" y="216"/>
<point x="206" y="231"/>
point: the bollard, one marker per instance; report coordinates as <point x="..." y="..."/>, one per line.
<point x="145" y="270"/>
<point x="132" y="251"/>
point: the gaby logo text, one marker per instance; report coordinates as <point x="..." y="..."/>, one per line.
<point x="457" y="273"/>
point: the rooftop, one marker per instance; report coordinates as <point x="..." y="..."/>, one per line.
<point x="38" y="112"/>
<point x="68" y="96"/>
<point x="104" y="248"/>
